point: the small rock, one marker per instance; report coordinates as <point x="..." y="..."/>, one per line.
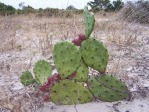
<point x="132" y="74"/>
<point x="145" y="83"/>
<point x="54" y="71"/>
<point x="129" y="69"/>
<point x="147" y="68"/>
<point x="133" y="89"/>
<point x="17" y="86"/>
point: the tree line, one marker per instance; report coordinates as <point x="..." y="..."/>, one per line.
<point x="106" y="5"/>
<point x="96" y="5"/>
<point x="10" y="10"/>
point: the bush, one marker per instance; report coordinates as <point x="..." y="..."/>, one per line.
<point x="6" y="9"/>
<point x="106" y="5"/>
<point x="53" y="12"/>
<point x="135" y="12"/>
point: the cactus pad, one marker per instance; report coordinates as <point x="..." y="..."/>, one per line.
<point x="89" y="22"/>
<point x="94" y="54"/>
<point x="82" y="73"/>
<point x="26" y="78"/>
<point x="42" y="71"/>
<point x="69" y="92"/>
<point x="67" y="58"/>
<point x="107" y="88"/>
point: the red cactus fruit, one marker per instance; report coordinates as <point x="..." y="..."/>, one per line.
<point x="77" y="41"/>
<point x="46" y="98"/>
<point x="54" y="78"/>
<point x="44" y="87"/>
<point x="81" y="36"/>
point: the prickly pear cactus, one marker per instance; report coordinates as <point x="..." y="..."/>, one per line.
<point x="67" y="58"/>
<point x="107" y="88"/>
<point x="66" y="86"/>
<point x="94" y="54"/>
<point x="26" y="78"/>
<point x="42" y="71"/>
<point x="82" y="73"/>
<point x="89" y="22"/>
<point x="69" y="92"/>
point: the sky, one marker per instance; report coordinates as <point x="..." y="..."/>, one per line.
<point x="61" y="4"/>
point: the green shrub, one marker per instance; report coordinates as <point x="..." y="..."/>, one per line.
<point x="6" y="9"/>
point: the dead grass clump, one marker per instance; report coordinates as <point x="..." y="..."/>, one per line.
<point x="135" y="12"/>
<point x="117" y="32"/>
<point x="49" y="12"/>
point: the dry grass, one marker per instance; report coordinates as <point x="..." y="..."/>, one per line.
<point x="120" y="33"/>
<point x="48" y="29"/>
<point x="136" y="12"/>
<point x="45" y="29"/>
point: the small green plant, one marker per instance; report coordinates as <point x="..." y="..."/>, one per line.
<point x="42" y="70"/>
<point x="72" y="61"/>
<point x="26" y="78"/>
<point x="19" y="47"/>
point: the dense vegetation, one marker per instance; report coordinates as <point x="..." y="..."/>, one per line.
<point x="95" y="5"/>
<point x="106" y="5"/>
<point x="6" y="9"/>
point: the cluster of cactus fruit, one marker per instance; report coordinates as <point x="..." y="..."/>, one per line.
<point x="72" y="61"/>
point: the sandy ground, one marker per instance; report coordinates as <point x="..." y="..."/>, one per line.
<point x="137" y="105"/>
<point x="26" y="40"/>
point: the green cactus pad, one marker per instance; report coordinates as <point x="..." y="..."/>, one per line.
<point x="69" y="92"/>
<point x="42" y="71"/>
<point x="107" y="88"/>
<point x="67" y="58"/>
<point x="89" y="22"/>
<point x="26" y="78"/>
<point x="94" y="54"/>
<point x="82" y="73"/>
